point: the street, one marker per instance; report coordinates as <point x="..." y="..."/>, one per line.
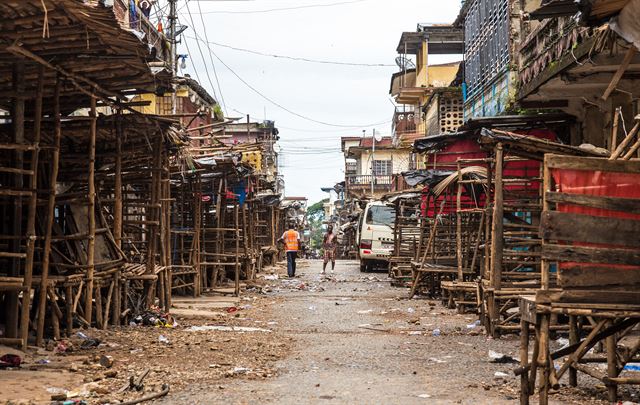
<point x="361" y="341"/>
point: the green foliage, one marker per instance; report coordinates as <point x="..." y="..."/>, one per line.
<point x="315" y="216"/>
<point x="217" y="112"/>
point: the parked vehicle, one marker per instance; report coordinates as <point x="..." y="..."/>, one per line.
<point x="375" y="236"/>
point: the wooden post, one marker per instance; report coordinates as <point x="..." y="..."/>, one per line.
<point x="459" y="224"/>
<point x="68" y="301"/>
<point x="31" y="219"/>
<point x="236" y="215"/>
<point x="497" y="237"/>
<point x="91" y="245"/>
<point x="544" y="264"/>
<point x="17" y="119"/>
<point x="117" y="210"/>
<point x="612" y="365"/>
<point x="543" y="359"/>
<point x="197" y="227"/>
<point x="524" y="361"/>
<point x="51" y="205"/>
<point x="573" y="339"/>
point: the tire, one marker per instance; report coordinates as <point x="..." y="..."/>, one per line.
<point x="364" y="267"/>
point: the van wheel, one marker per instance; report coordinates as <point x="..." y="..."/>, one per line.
<point x="363" y="267"/>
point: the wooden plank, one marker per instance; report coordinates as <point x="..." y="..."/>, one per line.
<point x="629" y="205"/>
<point x="591" y="164"/>
<point x="585" y="277"/>
<point x="586" y="228"/>
<point x="596" y="296"/>
<point x="628" y="57"/>
<point x="582" y="254"/>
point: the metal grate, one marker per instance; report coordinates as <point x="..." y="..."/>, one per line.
<point x="486" y="43"/>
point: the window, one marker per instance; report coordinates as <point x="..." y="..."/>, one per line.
<point x="382" y="167"/>
<point x="381" y="215"/>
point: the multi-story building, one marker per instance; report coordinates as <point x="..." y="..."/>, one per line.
<point x="372" y="166"/>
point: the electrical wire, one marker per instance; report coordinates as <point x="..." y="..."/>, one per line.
<point x="206" y="69"/>
<point x="270" y="100"/>
<point x="272" y="10"/>
<point x="215" y="73"/>
<point x="299" y="59"/>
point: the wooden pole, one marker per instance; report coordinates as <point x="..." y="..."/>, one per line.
<point x="459" y="224"/>
<point x="91" y="245"/>
<point x="614" y="133"/>
<point x="117" y="210"/>
<point x="31" y="219"/>
<point x="497" y="237"/>
<point x="524" y="361"/>
<point x="612" y="365"/>
<point x="17" y="118"/>
<point x="51" y="205"/>
<point x="236" y="215"/>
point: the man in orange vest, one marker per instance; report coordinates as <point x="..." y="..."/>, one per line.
<point x="291" y="240"/>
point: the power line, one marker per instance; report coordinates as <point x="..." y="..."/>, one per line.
<point x="215" y="73"/>
<point x="299" y="59"/>
<point x="206" y="69"/>
<point x="272" y="10"/>
<point x="198" y="40"/>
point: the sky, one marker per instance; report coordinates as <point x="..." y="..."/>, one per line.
<point x="312" y="104"/>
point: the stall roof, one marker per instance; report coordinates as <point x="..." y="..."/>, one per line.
<point x="85" y="42"/>
<point x="532" y="147"/>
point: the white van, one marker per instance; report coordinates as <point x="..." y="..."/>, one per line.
<point x="375" y="235"/>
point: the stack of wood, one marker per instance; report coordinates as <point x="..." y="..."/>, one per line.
<point x="590" y="274"/>
<point x="406" y="232"/>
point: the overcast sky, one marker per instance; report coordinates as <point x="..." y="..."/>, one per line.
<point x="364" y="31"/>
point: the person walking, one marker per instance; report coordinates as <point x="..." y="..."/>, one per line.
<point x="291" y="240"/>
<point x="329" y="244"/>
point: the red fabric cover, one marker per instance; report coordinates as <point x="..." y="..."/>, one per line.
<point x="470" y="149"/>
<point x="597" y="183"/>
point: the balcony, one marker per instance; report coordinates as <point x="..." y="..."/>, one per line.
<point x="363" y="181"/>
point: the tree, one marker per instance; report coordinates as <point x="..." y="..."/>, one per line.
<point x="315" y="217"/>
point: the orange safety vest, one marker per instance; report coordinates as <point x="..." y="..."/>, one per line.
<point x="291" y="240"/>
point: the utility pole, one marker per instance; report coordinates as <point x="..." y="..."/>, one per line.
<point x="173" y="40"/>
<point x="373" y="161"/>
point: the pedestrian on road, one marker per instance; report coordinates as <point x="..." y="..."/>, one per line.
<point x="329" y="245"/>
<point x="291" y="240"/>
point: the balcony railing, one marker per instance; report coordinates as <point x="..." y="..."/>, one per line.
<point x="365" y="180"/>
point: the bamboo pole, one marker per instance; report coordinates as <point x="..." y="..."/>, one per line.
<point x="51" y="205"/>
<point x="91" y="245"/>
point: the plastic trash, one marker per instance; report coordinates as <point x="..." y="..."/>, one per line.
<point x="495" y="357"/>
<point x="231" y="310"/>
<point x="424" y="396"/>
<point x="436" y="332"/>
<point x="10" y="360"/>
<point x="82" y="336"/>
<point x="223" y="328"/>
<point x="163" y="339"/>
<point x="411" y="310"/>
<point x="474" y="325"/>
<point x="43" y="361"/>
<point x="563" y="342"/>
<point x="368" y="311"/>
<point x="312" y="308"/>
<point x="500" y="375"/>
<point x="241" y="370"/>
<point x="632" y="367"/>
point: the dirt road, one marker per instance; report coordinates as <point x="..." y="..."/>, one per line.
<point x="358" y="340"/>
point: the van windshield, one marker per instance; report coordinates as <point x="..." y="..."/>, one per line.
<point x="381" y="215"/>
